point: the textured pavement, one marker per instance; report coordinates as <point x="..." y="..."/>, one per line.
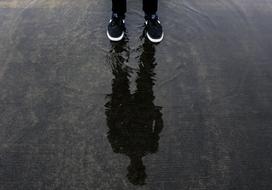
<point x="191" y="113"/>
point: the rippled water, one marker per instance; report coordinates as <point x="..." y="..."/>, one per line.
<point x="78" y="112"/>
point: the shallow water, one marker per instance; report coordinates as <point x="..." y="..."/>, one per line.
<point x="78" y="112"/>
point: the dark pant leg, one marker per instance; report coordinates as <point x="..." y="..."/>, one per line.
<point x="119" y="7"/>
<point x="150" y="6"/>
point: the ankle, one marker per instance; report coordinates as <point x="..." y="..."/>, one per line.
<point x="118" y="15"/>
<point x="149" y="16"/>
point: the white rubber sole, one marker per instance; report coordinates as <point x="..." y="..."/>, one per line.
<point x="155" y="40"/>
<point x="115" y="39"/>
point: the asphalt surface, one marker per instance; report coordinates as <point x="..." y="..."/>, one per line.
<point x="80" y="113"/>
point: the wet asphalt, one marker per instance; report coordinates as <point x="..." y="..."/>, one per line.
<point x="78" y="112"/>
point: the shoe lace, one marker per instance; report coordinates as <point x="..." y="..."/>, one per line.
<point x="154" y="20"/>
<point x="116" y="20"/>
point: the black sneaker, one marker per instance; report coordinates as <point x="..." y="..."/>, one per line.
<point x="153" y="29"/>
<point x="116" y="28"/>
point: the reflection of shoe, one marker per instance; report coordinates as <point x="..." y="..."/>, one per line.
<point x="116" y="28"/>
<point x="153" y="29"/>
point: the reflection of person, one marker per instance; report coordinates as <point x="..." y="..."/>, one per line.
<point x="116" y="27"/>
<point x="134" y="121"/>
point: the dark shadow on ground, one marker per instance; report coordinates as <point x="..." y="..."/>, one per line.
<point x="134" y="121"/>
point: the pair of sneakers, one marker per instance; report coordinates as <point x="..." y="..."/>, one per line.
<point x="153" y="28"/>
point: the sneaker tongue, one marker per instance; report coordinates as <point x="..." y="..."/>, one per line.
<point x="115" y="15"/>
<point x="153" y="16"/>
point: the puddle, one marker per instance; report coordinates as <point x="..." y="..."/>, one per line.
<point x="79" y="112"/>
